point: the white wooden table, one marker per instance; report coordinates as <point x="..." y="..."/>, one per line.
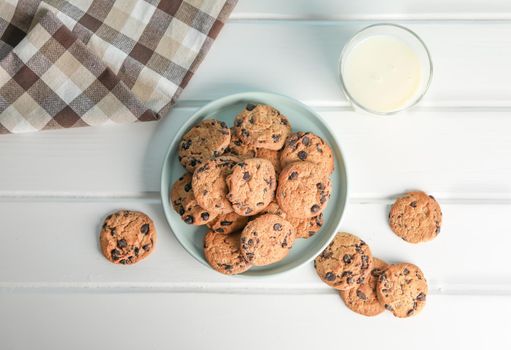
<point x="58" y="292"/>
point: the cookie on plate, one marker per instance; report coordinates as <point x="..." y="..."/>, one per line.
<point x="251" y="186"/>
<point x="267" y="239"/>
<point x="306" y="146"/>
<point x="209" y="184"/>
<point x="205" y="140"/>
<point x="262" y="126"/>
<point x="402" y="289"/>
<point x="271" y="155"/>
<point x="238" y="148"/>
<point x="228" y="223"/>
<point x="223" y="253"/>
<point x="363" y="299"/>
<point x="304" y="190"/>
<point x="306" y="228"/>
<point x="416" y="217"/>
<point x="184" y="202"/>
<point x="345" y="263"/>
<point x="127" y="237"/>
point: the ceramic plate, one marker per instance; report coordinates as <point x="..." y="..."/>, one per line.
<point x="301" y="119"/>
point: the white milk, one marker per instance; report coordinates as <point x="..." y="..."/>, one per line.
<point x="382" y="73"/>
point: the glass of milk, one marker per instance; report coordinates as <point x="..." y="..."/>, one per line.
<point x="385" y="69"/>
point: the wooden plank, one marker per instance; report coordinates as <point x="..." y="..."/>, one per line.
<point x="453" y="154"/>
<point x="368" y="9"/>
<point x="56" y="246"/>
<point x="189" y="321"/>
<point x="300" y="59"/>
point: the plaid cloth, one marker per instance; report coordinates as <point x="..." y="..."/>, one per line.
<point x="93" y="62"/>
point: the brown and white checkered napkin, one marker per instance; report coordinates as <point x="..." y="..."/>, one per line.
<point x="93" y="62"/>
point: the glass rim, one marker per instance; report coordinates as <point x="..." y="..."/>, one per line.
<point x="353" y="101"/>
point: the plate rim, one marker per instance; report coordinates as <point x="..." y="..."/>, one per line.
<point x="165" y="201"/>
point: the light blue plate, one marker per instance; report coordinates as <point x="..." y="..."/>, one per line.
<point x="301" y="119"/>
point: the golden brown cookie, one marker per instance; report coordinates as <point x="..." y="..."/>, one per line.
<point x="209" y="184"/>
<point x="306" y="146"/>
<point x="416" y="217"/>
<point x="127" y="237"/>
<point x="306" y="228"/>
<point x="267" y="239"/>
<point x="363" y="299"/>
<point x="205" y="140"/>
<point x="228" y="223"/>
<point x="185" y="204"/>
<point x="345" y="263"/>
<point x="223" y="253"/>
<point x="251" y="186"/>
<point x="262" y="126"/>
<point x="304" y="190"/>
<point x="402" y="289"/>
<point x="238" y="148"/>
<point x="271" y="155"/>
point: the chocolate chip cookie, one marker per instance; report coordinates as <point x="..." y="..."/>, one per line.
<point x="223" y="253"/>
<point x="402" y="289"/>
<point x="205" y="140"/>
<point x="209" y="184"/>
<point x="251" y="186"/>
<point x="306" y="146"/>
<point x="416" y="217"/>
<point x="228" y="223"/>
<point x="184" y="202"/>
<point x="238" y="148"/>
<point x="266" y="240"/>
<point x="304" y="190"/>
<point x="127" y="237"/>
<point x="345" y="263"/>
<point x="262" y="126"/>
<point x="363" y="299"/>
<point x="306" y="228"/>
<point x="271" y="155"/>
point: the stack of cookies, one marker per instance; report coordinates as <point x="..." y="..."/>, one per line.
<point x="368" y="285"/>
<point x="257" y="186"/>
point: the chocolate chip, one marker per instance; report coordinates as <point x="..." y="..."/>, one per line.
<point x="246" y="176"/>
<point x="216" y="154"/>
<point x="347" y="259"/>
<point x="277" y="227"/>
<point x="251" y="120"/>
<point x="413" y="204"/>
<point x="123" y="261"/>
<point x="376" y="272"/>
<point x="136" y="250"/>
<point x="146" y="247"/>
<point x="388" y="307"/>
<point x="350" y="280"/>
<point x="361" y="295"/>
<point x="275" y="137"/>
<point x="113" y="231"/>
<point x="250" y="107"/>
<point x="204" y="216"/>
<point x="361" y="280"/>
<point x="365" y="262"/>
<point x="260" y="204"/>
<point x="437" y="231"/>
<point x="223" y="125"/>
<point x="186" y="144"/>
<point x="306" y="140"/>
<point x="220" y="230"/>
<point x="293" y="176"/>
<point x="144" y="229"/>
<point x="122" y="243"/>
<point x="244" y="132"/>
<point x="320" y="186"/>
<point x="188" y="219"/>
<point x="329" y="276"/>
<point x="225" y="223"/>
<point x="410" y="312"/>
<point x="188" y="187"/>
<point x="315" y="208"/>
<point x="406" y="271"/>
<point x="115" y="254"/>
<point x="238" y="122"/>
<point x="421" y="297"/>
<point x="302" y="155"/>
<point x="181" y="211"/>
<point x="193" y="162"/>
